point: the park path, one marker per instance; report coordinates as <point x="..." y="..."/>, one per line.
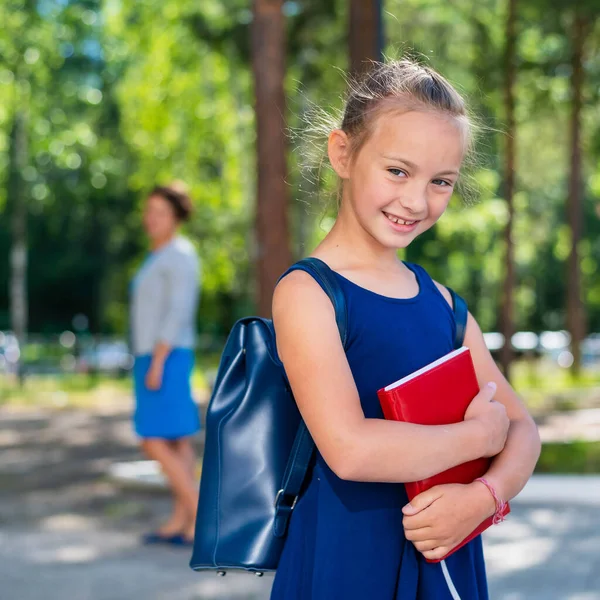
<point x="66" y="531"/>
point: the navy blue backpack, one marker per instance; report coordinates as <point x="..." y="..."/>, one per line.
<point x="257" y="449"/>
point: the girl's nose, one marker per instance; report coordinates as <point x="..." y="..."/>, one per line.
<point x="414" y="200"/>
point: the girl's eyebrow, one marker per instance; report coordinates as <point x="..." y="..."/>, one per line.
<point x="413" y="166"/>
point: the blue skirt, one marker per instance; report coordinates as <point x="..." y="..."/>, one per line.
<point x="170" y="412"/>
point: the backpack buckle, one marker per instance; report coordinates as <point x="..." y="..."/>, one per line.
<point x="280" y="494"/>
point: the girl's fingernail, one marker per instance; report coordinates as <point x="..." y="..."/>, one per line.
<point x="492" y="385"/>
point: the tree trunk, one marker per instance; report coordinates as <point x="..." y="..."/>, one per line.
<point x="18" y="254"/>
<point x="366" y="34"/>
<point x="510" y="75"/>
<point x="576" y="321"/>
<point x="268" y="65"/>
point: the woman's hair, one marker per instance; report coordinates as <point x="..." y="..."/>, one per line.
<point x="401" y="85"/>
<point x="176" y="195"/>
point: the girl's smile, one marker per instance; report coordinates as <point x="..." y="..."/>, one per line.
<point x="399" y="224"/>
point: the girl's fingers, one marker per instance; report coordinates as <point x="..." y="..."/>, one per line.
<point x="436" y="553"/>
<point x="426" y="546"/>
<point x="423" y="519"/>
<point x="418" y="535"/>
<point x="422" y="501"/>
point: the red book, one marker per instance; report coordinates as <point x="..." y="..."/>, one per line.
<point x="438" y="394"/>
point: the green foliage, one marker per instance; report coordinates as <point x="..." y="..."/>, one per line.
<point x="122" y="94"/>
<point x="572" y="457"/>
<point x="186" y="113"/>
<point x="466" y="43"/>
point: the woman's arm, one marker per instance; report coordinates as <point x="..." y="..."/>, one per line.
<point x="354" y="447"/>
<point x="180" y="282"/>
<point x="155" y="372"/>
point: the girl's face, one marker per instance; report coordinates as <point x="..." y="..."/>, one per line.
<point x="160" y="222"/>
<point x="400" y="182"/>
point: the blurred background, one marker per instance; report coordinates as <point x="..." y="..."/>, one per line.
<point x="99" y="100"/>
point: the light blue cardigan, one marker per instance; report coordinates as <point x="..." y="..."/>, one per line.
<point x="165" y="296"/>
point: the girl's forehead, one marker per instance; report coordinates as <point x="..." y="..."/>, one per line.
<point x="419" y="133"/>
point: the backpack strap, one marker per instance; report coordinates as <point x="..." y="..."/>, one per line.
<point x="461" y="313"/>
<point x="303" y="448"/>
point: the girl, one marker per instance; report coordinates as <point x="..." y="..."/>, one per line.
<point x="353" y="534"/>
<point x="163" y="315"/>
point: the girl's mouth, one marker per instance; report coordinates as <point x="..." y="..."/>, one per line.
<point x="399" y="224"/>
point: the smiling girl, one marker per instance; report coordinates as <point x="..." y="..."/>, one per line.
<point x="353" y="535"/>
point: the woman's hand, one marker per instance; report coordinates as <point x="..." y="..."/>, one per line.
<point x="154" y="376"/>
<point x="440" y="518"/>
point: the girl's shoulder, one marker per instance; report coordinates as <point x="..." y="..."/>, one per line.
<point x="296" y="285"/>
<point x="299" y="298"/>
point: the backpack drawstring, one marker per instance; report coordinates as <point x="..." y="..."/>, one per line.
<point x="449" y="581"/>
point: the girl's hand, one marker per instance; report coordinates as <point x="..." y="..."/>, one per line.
<point x="440" y="518"/>
<point x="154" y="375"/>
<point x="492" y="417"/>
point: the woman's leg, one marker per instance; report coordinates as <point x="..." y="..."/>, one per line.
<point x="182" y="485"/>
<point x="185" y="449"/>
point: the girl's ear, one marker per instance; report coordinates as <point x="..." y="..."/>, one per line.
<point x="339" y="151"/>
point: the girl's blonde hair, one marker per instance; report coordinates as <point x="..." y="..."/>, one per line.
<point x="402" y="85"/>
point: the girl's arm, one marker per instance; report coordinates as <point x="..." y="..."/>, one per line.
<point x="354" y="447"/>
<point x="511" y="469"/>
<point x="438" y="519"/>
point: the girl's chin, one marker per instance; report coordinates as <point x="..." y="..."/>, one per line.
<point x="395" y="242"/>
<point x="398" y="241"/>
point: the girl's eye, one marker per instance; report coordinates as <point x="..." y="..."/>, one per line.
<point x="442" y="182"/>
<point x="397" y="172"/>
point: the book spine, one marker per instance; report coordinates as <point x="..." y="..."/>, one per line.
<point x="386" y="401"/>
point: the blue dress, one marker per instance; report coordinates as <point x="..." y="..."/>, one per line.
<point x="169" y="412"/>
<point x="346" y="540"/>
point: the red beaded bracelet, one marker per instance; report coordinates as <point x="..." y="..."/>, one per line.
<point x="500" y="504"/>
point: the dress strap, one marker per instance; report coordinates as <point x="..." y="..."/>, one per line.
<point x="459" y="307"/>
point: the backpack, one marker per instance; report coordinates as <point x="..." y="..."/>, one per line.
<point x="257" y="449"/>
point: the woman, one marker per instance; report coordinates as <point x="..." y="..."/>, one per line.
<point x="165" y="294"/>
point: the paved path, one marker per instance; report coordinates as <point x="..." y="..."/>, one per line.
<point x="68" y="533"/>
<point x="544" y="552"/>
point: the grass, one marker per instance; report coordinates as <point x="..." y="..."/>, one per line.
<point x="543" y="385"/>
<point x="63" y="391"/>
<point x="547" y="376"/>
<point x="546" y="387"/>
<point x="87" y="390"/>
<point x="573" y="457"/>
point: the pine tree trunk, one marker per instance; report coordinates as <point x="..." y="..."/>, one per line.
<point x="268" y="65"/>
<point x="510" y="74"/>
<point x="365" y="34"/>
<point x="576" y="321"/>
<point x="17" y="201"/>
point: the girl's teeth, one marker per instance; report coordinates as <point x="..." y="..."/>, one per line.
<point x="399" y="221"/>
